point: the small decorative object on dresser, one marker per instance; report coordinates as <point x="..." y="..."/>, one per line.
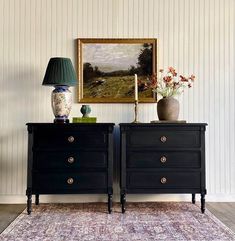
<point x="163" y="158"/>
<point x="60" y="74"/>
<point x="69" y="159"/>
<point x="84" y="119"/>
<point x="85" y="110"/>
<point x="169" y="86"/>
<point x="168" y="109"/>
<point x="136" y="101"/>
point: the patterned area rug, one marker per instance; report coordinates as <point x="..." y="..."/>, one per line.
<point x="142" y="221"/>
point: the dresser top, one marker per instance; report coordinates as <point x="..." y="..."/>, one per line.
<point x="178" y="124"/>
<point x="70" y="124"/>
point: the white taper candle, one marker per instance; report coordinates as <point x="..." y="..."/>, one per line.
<point x="136" y="88"/>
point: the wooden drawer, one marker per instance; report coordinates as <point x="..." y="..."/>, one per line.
<point x="163" y="179"/>
<point x="45" y="182"/>
<point x="168" y="159"/>
<point x="152" y="137"/>
<point x="70" y="159"/>
<point x="70" y="139"/>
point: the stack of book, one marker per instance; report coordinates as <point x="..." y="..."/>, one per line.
<point x="84" y="119"/>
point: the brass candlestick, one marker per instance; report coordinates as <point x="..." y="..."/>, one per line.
<point x="136" y="112"/>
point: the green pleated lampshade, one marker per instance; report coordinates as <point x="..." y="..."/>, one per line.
<point x="60" y="71"/>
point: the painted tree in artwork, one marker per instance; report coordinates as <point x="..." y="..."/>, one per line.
<point x="90" y="72"/>
<point x="87" y="71"/>
<point x="145" y="60"/>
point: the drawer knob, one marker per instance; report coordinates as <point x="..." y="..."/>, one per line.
<point x="71" y="139"/>
<point x="70" y="181"/>
<point x="71" y="160"/>
<point x="163" y="159"/>
<point x="163" y="180"/>
<point x="163" y="139"/>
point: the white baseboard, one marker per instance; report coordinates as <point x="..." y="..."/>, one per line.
<point x="17" y="199"/>
<point x="220" y="197"/>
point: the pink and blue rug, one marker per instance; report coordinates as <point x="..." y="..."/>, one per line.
<point x="142" y="221"/>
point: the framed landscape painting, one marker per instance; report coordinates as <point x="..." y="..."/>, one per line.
<point x="106" y="69"/>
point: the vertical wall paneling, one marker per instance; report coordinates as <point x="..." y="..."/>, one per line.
<point x="1" y="77"/>
<point x="207" y="32"/>
<point x="194" y="36"/>
<point x="231" y="94"/>
<point x="211" y="93"/>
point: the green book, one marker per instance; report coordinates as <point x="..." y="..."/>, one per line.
<point x="84" y="119"/>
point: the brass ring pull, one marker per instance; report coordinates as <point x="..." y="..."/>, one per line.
<point x="163" y="139"/>
<point x="71" y="139"/>
<point x="163" y="159"/>
<point x="163" y="180"/>
<point x="71" y="160"/>
<point x="70" y="181"/>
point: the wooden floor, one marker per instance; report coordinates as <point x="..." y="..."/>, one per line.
<point x="225" y="212"/>
<point x="8" y="212"/>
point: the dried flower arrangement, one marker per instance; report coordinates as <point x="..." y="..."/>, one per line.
<point x="168" y="84"/>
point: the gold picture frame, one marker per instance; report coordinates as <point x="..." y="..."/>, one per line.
<point x="106" y="69"/>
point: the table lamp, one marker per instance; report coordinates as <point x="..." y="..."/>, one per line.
<point x="60" y="74"/>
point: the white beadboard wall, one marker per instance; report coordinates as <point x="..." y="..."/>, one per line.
<point x="195" y="36"/>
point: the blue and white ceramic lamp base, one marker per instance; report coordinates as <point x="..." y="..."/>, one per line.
<point x="61" y="102"/>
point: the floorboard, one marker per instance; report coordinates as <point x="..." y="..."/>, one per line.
<point x="225" y="212"/>
<point x="8" y="212"/>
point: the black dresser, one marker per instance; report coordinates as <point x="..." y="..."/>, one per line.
<point x="69" y="159"/>
<point x="163" y="158"/>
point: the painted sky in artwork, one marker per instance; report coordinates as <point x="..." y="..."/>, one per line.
<point x="111" y="57"/>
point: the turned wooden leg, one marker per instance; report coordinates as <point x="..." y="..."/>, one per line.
<point x="123" y="202"/>
<point x="110" y="197"/>
<point x="37" y="199"/>
<point x="29" y="201"/>
<point x="202" y="202"/>
<point x="193" y="198"/>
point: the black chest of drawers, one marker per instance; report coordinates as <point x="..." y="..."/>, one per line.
<point x="69" y="159"/>
<point x="163" y="158"/>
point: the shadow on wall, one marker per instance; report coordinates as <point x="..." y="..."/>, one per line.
<point x="18" y="96"/>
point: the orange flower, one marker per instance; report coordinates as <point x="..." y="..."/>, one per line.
<point x="172" y="71"/>
<point x="192" y="77"/>
<point x="167" y="79"/>
<point x="169" y="84"/>
<point x="184" y="79"/>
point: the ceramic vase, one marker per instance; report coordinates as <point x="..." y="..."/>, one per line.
<point x="85" y="110"/>
<point x="168" y="109"/>
<point x="61" y="102"/>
